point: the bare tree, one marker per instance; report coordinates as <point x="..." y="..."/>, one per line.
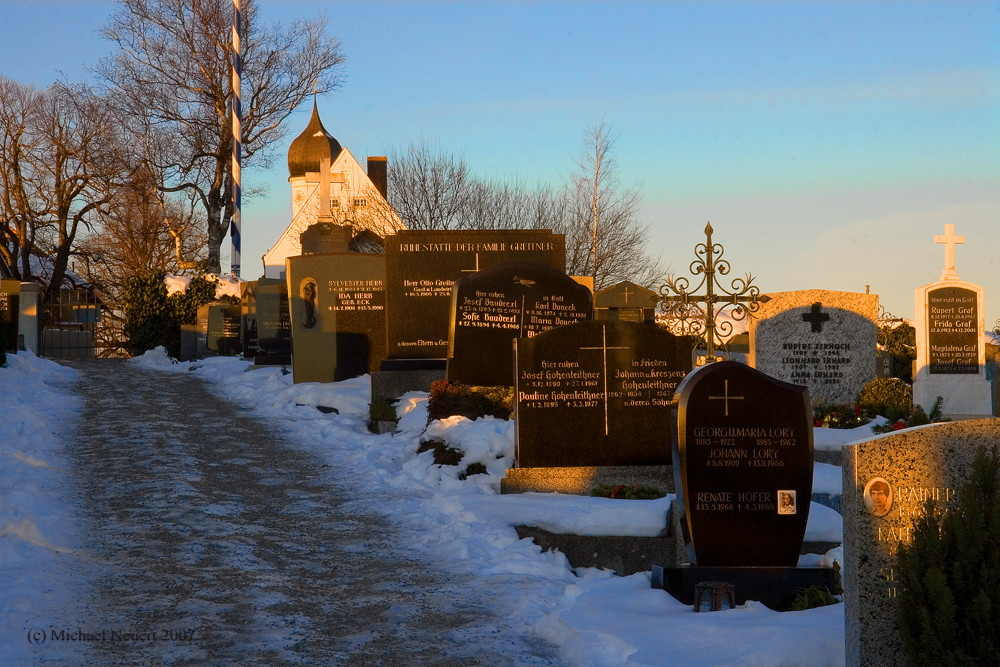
<point x="604" y="238"/>
<point x="429" y="189"/>
<point x="58" y="161"/>
<point x="141" y="230"/>
<point x="435" y="190"/>
<point x="22" y="211"/>
<point x="173" y="67"/>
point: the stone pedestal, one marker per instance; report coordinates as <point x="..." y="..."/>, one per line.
<point x="774" y="587"/>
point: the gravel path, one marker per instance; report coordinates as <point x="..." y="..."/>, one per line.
<point x="218" y="544"/>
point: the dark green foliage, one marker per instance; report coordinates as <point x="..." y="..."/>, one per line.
<point x="916" y="418"/>
<point x="381" y="409"/>
<point x="949" y="607"/>
<point x="451" y="398"/>
<point x="634" y="492"/>
<point x="812" y="597"/>
<point x="901" y="344"/>
<point x="152" y="318"/>
<point x="149" y="320"/>
<point x="887" y="397"/>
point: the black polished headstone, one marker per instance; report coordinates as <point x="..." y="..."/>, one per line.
<point x="10" y="300"/>
<point x="952" y="332"/>
<point x="423" y="266"/>
<point x="744" y="461"/>
<point x="492" y="307"/>
<point x="274" y="323"/>
<point x="248" y="303"/>
<point x="225" y="322"/>
<point x="597" y="393"/>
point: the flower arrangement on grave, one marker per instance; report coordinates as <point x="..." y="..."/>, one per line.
<point x="631" y="492"/>
<point x="845" y="415"/>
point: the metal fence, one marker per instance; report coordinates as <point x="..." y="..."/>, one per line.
<point x="78" y="323"/>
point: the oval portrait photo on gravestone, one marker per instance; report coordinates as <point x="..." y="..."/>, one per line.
<point x="878" y="496"/>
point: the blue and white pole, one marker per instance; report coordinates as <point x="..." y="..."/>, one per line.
<point x="234" y="227"/>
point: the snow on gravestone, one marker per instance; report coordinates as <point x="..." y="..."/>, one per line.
<point x="492" y="307"/>
<point x="743" y="457"/>
<point x="422" y="267"/>
<point x="821" y="339"/>
<point x="887" y="481"/>
<point x="597" y="393"/>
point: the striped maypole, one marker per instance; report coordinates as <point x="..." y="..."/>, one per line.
<point x="234" y="228"/>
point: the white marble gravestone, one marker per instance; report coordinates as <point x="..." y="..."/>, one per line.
<point x="951" y="352"/>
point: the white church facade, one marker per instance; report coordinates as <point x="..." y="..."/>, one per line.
<point x="357" y="197"/>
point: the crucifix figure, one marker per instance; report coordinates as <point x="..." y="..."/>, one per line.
<point x="726" y="397"/>
<point x="815" y="317"/>
<point x="949" y="240"/>
<point x="604" y="348"/>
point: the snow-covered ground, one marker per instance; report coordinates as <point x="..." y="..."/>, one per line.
<point x="464" y="526"/>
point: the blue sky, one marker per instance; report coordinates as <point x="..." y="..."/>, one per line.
<point x="826" y="142"/>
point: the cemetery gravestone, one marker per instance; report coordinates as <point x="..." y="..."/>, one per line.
<point x="10" y="291"/>
<point x="248" y="304"/>
<point x="274" y="324"/>
<point x="951" y="353"/>
<point x="625" y="301"/>
<point x="338" y="317"/>
<point x="596" y="393"/>
<point x="224" y="326"/>
<point x="887" y="481"/>
<point x="820" y="339"/>
<point x="423" y="266"/>
<point x="744" y="460"/>
<point x="492" y="307"/>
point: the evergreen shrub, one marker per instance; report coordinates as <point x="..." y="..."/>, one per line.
<point x="451" y="398"/>
<point x="949" y="608"/>
<point x="152" y="318"/>
<point x="891" y="398"/>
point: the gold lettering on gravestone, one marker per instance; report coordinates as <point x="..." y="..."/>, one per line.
<point x="899" y="506"/>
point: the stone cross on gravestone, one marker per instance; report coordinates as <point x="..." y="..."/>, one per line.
<point x="816" y="318"/>
<point x="949" y="240"/>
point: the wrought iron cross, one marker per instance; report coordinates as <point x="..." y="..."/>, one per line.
<point x="680" y="302"/>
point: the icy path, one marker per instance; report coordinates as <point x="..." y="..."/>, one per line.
<point x="217" y="544"/>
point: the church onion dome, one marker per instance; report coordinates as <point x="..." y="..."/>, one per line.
<point x="311" y="147"/>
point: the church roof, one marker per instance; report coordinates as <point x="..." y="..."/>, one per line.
<point x="312" y="146"/>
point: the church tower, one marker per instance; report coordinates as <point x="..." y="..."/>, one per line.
<point x="357" y="198"/>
